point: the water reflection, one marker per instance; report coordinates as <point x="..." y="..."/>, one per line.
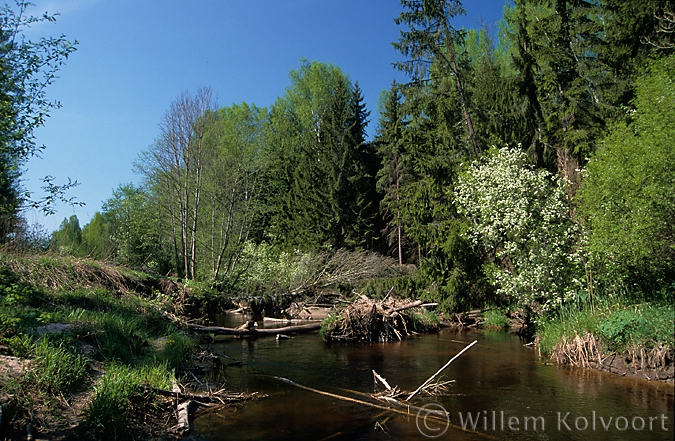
<point x="497" y="375"/>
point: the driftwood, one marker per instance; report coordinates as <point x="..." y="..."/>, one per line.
<point x="183" y="425"/>
<point x="218" y="330"/>
<point x="430" y="379"/>
<point x="219" y="397"/>
<point x="382" y="380"/>
<point x="399" y="407"/>
<point x="370" y="320"/>
<point x="288" y="320"/>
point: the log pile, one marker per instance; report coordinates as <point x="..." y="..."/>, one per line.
<point x="368" y="320"/>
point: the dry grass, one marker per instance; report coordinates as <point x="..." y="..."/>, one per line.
<point x="589" y="351"/>
<point x="62" y="273"/>
<point x="578" y="351"/>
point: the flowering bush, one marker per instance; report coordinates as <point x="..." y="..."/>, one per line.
<point x="519" y="216"/>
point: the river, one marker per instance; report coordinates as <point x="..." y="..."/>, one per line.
<point x="502" y="391"/>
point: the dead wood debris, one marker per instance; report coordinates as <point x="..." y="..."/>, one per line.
<point x="370" y="320"/>
<point x="391" y="399"/>
<point x="253" y="331"/>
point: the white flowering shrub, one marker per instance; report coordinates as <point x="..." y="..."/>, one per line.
<point x="519" y="216"/>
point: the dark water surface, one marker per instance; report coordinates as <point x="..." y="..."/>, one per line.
<point x="498" y="381"/>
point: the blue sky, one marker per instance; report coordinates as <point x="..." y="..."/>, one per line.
<point x="135" y="57"/>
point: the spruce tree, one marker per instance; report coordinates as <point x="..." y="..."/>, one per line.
<point x="363" y="199"/>
<point x="394" y="171"/>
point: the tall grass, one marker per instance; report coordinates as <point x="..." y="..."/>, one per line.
<point x="617" y="321"/>
<point x="57" y="368"/>
<point x="495" y="319"/>
<point x="117" y="395"/>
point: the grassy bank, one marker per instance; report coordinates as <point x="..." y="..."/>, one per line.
<point x="615" y="335"/>
<point x="83" y="342"/>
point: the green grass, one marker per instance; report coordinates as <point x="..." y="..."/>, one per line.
<point x="423" y="320"/>
<point x="617" y="324"/>
<point x="117" y="395"/>
<point x="495" y="319"/>
<point x="57" y="368"/>
<point x="135" y="341"/>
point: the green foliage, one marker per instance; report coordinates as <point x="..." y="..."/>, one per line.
<point x="617" y="322"/>
<point x="519" y="217"/>
<point x="15" y="298"/>
<point x="423" y="320"/>
<point x="628" y="196"/>
<point x="394" y="171"/>
<point x="267" y="265"/>
<point x="319" y="169"/>
<point x="118" y="395"/>
<point x="495" y="319"/>
<point x="177" y="348"/>
<point x="402" y="284"/>
<point x="26" y="69"/>
<point x="646" y="326"/>
<point x="328" y="323"/>
<point x="129" y="229"/>
<point x="57" y="368"/>
<point x="568" y="321"/>
<point x="68" y="238"/>
<point x="96" y="239"/>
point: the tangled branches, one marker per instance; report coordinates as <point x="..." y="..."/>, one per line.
<point x="369" y="320"/>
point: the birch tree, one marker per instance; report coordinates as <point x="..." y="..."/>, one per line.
<point x="175" y="163"/>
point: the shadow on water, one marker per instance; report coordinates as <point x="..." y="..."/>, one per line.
<point x="498" y="381"/>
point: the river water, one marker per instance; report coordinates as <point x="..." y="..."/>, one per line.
<point x="502" y="391"/>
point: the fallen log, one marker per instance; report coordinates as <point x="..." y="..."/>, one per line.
<point x="394" y="406"/>
<point x="441" y="370"/>
<point x="218" y="330"/>
<point x="219" y="397"/>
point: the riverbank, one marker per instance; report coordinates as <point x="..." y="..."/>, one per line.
<point x="636" y="340"/>
<point x="633" y="340"/>
<point x="89" y="350"/>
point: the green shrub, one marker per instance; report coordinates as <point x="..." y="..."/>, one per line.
<point x="328" y="322"/>
<point x="645" y="325"/>
<point x="627" y="197"/>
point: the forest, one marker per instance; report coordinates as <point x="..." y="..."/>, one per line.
<point x="529" y="166"/>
